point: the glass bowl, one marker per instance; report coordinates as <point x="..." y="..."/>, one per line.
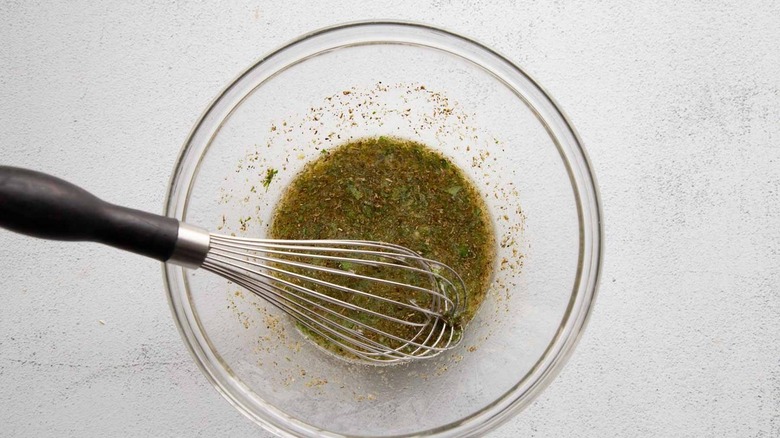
<point x="456" y="96"/>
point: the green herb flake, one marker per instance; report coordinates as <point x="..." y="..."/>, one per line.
<point x="354" y="191"/>
<point x="269" y="176"/>
<point x="347" y="266"/>
<point x="453" y="190"/>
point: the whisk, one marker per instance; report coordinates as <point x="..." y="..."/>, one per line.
<point x="375" y="301"/>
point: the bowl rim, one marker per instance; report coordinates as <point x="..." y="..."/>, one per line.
<point x="569" y="332"/>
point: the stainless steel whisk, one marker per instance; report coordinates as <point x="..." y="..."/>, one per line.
<point x="304" y="278"/>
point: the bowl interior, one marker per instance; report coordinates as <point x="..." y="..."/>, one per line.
<point x="419" y="84"/>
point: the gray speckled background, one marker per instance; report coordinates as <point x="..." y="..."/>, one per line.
<point x="677" y="102"/>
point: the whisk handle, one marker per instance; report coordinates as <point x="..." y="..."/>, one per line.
<point x="44" y="206"/>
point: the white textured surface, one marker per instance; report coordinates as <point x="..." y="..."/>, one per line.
<point x="677" y="102"/>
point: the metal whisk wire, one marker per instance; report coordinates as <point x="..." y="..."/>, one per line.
<point x="286" y="274"/>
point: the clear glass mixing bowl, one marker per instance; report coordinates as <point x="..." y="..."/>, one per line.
<point x="456" y="96"/>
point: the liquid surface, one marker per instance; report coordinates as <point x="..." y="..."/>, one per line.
<point x="396" y="191"/>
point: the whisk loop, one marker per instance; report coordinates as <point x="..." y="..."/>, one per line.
<point x="406" y="308"/>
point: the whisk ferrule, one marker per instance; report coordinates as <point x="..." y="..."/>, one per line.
<point x="192" y="246"/>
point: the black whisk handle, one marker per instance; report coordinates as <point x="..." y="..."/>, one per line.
<point x="45" y="206"/>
